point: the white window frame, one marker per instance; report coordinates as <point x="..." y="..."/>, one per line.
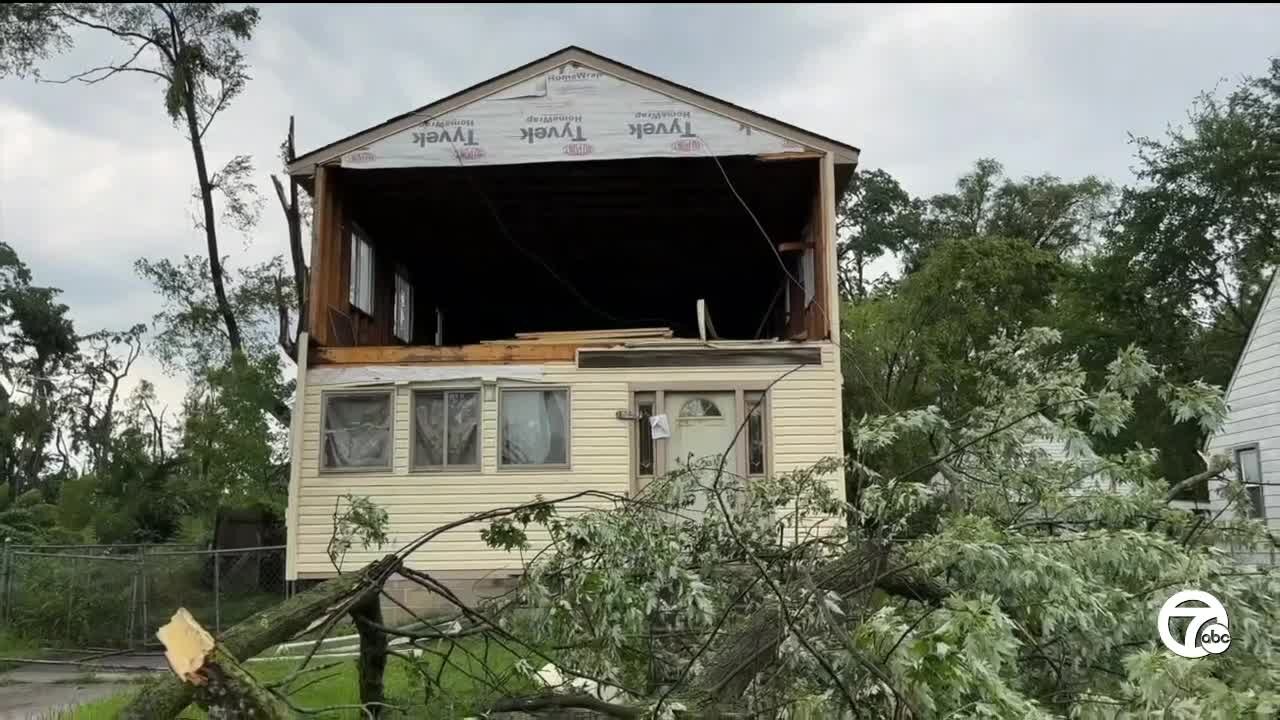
<point x="1258" y="508"/>
<point x="418" y="467"/>
<point x="360" y="281"/>
<point x="657" y="391"/>
<point x="402" y="321"/>
<point x="568" y="428"/>
<point x="327" y="395"/>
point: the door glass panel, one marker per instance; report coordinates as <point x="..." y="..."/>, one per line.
<point x="700" y="407"/>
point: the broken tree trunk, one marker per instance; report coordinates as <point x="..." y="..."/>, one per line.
<point x="367" y="615"/>
<point x="219" y="684"/>
<point x="754" y="645"/>
<point x="165" y="697"/>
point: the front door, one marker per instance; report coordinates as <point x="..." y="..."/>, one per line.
<point x="702" y="426"/>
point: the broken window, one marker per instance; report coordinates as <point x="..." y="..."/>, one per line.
<point x="446" y="429"/>
<point x="361" y="285"/>
<point x="534" y="427"/>
<point x="402" y="326"/>
<point x="357" y="431"/>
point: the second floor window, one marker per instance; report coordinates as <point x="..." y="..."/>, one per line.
<point x="361" y="285"/>
<point x="403" y="325"/>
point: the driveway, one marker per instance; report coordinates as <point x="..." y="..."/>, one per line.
<point x="36" y="691"/>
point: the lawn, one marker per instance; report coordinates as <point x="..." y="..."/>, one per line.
<point x="336" y="685"/>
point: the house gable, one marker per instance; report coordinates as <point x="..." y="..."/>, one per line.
<point x="1253" y="400"/>
<point x="570" y="105"/>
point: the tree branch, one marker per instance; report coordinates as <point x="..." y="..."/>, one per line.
<point x="567" y="702"/>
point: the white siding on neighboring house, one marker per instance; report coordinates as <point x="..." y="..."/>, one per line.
<point x="804" y="425"/>
<point x="1253" y="419"/>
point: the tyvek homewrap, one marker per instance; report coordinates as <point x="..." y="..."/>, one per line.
<point x="571" y="113"/>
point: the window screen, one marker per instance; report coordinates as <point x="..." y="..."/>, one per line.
<point x="357" y="431"/>
<point x="535" y="427"/>
<point x="446" y="429"/>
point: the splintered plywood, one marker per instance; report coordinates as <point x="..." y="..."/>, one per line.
<point x="574" y="112"/>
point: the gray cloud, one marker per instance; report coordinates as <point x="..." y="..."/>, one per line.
<point x="93" y="177"/>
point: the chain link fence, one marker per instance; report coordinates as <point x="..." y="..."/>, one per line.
<point x="118" y="596"/>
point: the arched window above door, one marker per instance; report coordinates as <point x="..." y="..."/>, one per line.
<point x="699" y="407"/>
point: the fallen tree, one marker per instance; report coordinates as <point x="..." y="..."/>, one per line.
<point x="327" y="602"/>
<point x="990" y="579"/>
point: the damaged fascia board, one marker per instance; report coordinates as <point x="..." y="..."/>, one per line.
<point x="387" y="374"/>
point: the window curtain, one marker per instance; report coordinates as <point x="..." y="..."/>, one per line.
<point x="535" y="427"/>
<point x="463" y="418"/>
<point x="429" y="429"/>
<point x="357" y="431"/>
<point x="464" y="425"/>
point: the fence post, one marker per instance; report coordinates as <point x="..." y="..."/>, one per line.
<point x="217" y="594"/>
<point x="142" y="573"/>
<point x="4" y="583"/>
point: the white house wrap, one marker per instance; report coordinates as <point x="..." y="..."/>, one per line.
<point x="572" y="113"/>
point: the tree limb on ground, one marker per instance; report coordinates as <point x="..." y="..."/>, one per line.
<point x="218" y="683"/>
<point x="165" y="697"/>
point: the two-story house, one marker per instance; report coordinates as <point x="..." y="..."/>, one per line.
<point x="508" y="285"/>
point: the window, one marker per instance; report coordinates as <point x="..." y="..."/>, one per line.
<point x="755" y="408"/>
<point x="403" y="323"/>
<point x="644" y="436"/>
<point x="446" y="429"/>
<point x="699" y="407"/>
<point x="1249" y="472"/>
<point x="357" y="431"/>
<point x="534" y="427"/>
<point x="361" y="290"/>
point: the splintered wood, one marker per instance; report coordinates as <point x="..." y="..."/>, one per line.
<point x="222" y="687"/>
<point x="186" y="646"/>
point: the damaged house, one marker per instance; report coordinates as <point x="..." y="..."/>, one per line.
<point x="573" y="276"/>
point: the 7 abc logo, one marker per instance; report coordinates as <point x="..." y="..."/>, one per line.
<point x="1207" y="629"/>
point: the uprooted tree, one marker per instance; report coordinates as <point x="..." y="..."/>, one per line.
<point x="993" y="579"/>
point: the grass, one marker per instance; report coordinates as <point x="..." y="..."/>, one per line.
<point x="337" y="685"/>
<point x="12" y="645"/>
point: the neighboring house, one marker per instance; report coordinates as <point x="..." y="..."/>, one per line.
<point x="1251" y="435"/>
<point x="507" y="283"/>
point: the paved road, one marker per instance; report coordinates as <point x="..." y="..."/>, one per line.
<point x="39" y="692"/>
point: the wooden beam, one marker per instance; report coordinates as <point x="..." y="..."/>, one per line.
<point x="797" y="246"/>
<point x="700" y="357"/>
<point x="825" y="253"/>
<point x="457" y="355"/>
<point x="327" y="282"/>
<point x="317" y="318"/>
<point x="806" y="155"/>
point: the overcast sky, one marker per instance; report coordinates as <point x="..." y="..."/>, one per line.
<point x="92" y="178"/>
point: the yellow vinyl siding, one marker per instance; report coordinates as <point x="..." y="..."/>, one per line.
<point x="804" y="415"/>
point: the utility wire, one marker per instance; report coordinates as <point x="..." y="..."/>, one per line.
<point x="506" y="233"/>
<point x="764" y="233"/>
